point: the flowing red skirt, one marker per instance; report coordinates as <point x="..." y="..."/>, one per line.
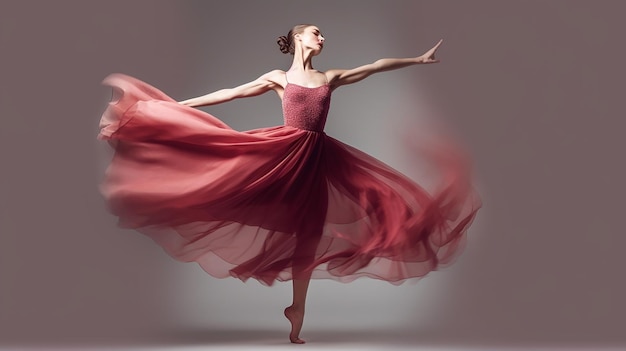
<point x="274" y="203"/>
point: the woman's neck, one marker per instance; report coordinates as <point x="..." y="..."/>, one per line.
<point x="302" y="60"/>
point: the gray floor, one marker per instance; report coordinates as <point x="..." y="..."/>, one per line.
<point x="316" y="340"/>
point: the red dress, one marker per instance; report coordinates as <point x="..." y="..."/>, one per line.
<point x="273" y="203"/>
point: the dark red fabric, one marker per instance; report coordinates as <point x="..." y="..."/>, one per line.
<point x="274" y="203"/>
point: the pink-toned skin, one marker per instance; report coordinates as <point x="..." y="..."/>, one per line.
<point x="280" y="203"/>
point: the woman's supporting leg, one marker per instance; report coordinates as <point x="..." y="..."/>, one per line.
<point x="295" y="312"/>
<point x="303" y="259"/>
<point x="302" y="269"/>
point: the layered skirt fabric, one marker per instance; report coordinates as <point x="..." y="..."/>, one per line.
<point x="275" y="203"/>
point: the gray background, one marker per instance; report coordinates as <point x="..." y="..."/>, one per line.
<point x="533" y="89"/>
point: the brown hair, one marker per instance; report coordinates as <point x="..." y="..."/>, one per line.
<point x="286" y="43"/>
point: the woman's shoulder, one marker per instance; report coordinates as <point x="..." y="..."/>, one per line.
<point x="276" y="76"/>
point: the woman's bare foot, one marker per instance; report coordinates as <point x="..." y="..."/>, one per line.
<point x="295" y="317"/>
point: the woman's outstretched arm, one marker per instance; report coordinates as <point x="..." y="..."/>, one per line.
<point x="259" y="86"/>
<point x="338" y="77"/>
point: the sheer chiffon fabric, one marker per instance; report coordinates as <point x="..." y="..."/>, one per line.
<point x="275" y="203"/>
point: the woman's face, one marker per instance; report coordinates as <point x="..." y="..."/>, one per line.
<point x="311" y="38"/>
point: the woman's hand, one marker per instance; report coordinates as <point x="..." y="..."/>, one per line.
<point x="429" y="56"/>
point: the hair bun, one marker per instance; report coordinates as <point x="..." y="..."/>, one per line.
<point x="283" y="43"/>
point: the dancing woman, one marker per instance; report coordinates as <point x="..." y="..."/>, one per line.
<point x="278" y="203"/>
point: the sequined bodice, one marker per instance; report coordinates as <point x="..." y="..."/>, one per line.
<point x="306" y="108"/>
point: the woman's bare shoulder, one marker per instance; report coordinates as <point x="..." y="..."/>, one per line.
<point x="333" y="74"/>
<point x="276" y="79"/>
<point x="276" y="76"/>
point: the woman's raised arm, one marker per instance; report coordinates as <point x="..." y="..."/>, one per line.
<point x="258" y="86"/>
<point x="338" y="77"/>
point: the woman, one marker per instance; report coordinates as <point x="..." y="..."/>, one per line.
<point x="279" y="203"/>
